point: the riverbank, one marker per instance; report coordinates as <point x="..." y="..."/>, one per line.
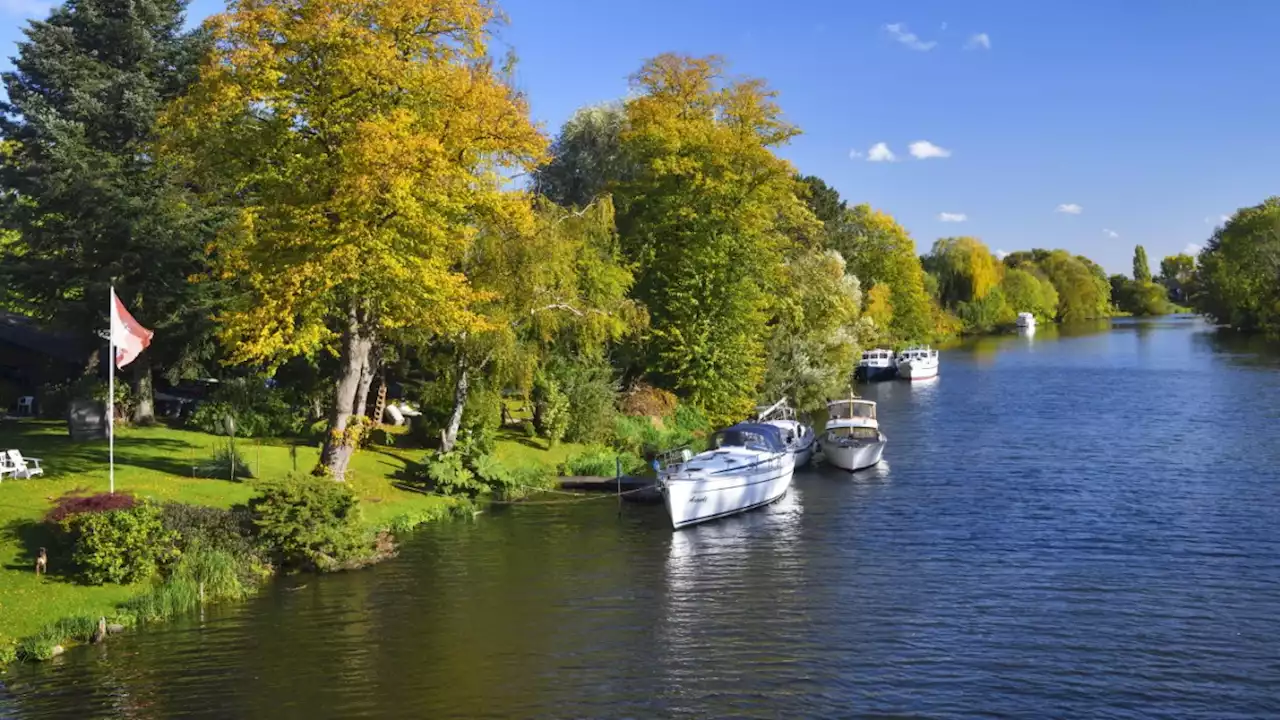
<point x="164" y="464"/>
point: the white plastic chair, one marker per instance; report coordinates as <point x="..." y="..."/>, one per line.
<point x="27" y="405"/>
<point x="20" y="466"/>
<point x="7" y="467"/>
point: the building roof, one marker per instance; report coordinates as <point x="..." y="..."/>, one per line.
<point x="27" y="334"/>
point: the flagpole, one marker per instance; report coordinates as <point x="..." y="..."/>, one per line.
<point x="111" y="395"/>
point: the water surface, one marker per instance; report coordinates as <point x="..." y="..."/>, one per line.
<point x="1083" y="523"/>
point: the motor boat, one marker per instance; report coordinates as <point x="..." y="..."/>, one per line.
<point x="876" y="365"/>
<point x="747" y="466"/>
<point x="917" y="363"/>
<point x="852" y="439"/>
<point x="798" y="436"/>
<point x="1026" y="320"/>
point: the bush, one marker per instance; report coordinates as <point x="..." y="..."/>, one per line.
<point x="591" y="392"/>
<point x="258" y="410"/>
<point x="645" y="436"/>
<point x="550" y="408"/>
<point x="647" y="401"/>
<point x="226" y="464"/>
<point x="598" y="460"/>
<point x="120" y="546"/>
<point x="208" y="527"/>
<point x="309" y="521"/>
<point x="448" y="474"/>
<point x="73" y="503"/>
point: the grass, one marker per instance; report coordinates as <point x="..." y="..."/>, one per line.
<point x="515" y="449"/>
<point x="159" y="463"/>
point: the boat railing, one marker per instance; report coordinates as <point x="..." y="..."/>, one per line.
<point x="672" y="459"/>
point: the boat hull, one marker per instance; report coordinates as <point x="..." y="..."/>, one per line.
<point x="915" y="370"/>
<point x="869" y="373"/>
<point x="853" y="457"/>
<point x="804" y="454"/>
<point x="700" y="499"/>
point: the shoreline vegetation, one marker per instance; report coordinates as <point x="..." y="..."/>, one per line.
<point x="313" y="211"/>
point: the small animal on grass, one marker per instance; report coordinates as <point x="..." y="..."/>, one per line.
<point x="42" y="562"/>
<point x="101" y="633"/>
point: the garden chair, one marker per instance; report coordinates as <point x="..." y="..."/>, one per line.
<point x="7" y="467"/>
<point x="21" y="467"/>
<point x="27" y="405"/>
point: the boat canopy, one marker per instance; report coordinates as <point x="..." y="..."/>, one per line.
<point x="753" y="436"/>
<point x="850" y="409"/>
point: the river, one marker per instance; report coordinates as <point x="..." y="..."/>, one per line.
<point x="1085" y="523"/>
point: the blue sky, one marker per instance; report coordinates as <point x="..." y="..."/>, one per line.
<point x="1151" y="118"/>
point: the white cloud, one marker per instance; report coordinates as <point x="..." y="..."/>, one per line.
<point x="923" y="150"/>
<point x="1221" y="220"/>
<point x="978" y="41"/>
<point x="854" y="154"/>
<point x="1193" y="248"/>
<point x="25" y="8"/>
<point x="1001" y="254"/>
<point x="944" y="26"/>
<point x="952" y="217"/>
<point x="899" y="32"/>
<point x="880" y="152"/>
<point x="1069" y="209"/>
<point x="1110" y="233"/>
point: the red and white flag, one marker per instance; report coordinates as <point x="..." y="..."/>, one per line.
<point x="128" y="337"/>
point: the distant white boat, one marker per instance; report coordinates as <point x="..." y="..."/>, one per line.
<point x="917" y="363"/>
<point x="876" y="365"/>
<point x="748" y="466"/>
<point x="798" y="436"/>
<point x="1026" y="320"/>
<point x="852" y="439"/>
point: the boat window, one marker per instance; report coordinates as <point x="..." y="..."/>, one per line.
<point x="853" y="433"/>
<point x="740" y="438"/>
<point x="846" y="411"/>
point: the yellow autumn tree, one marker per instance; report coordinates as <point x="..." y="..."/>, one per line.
<point x="361" y="143"/>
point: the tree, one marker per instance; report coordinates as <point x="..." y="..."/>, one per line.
<point x="1239" y="271"/>
<point x="1084" y="291"/>
<point x="89" y="206"/>
<point x="362" y="144"/>
<point x="1141" y="268"/>
<point x="564" y="286"/>
<point x="966" y="270"/>
<point x="708" y="219"/>
<point x="1026" y="290"/>
<point x="1177" y="274"/>
<point x="882" y="253"/>
<point x="586" y="158"/>
<point x="814" y="345"/>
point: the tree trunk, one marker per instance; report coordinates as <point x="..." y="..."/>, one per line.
<point x="339" y="444"/>
<point x="380" y="405"/>
<point x="460" y="387"/>
<point x="144" y="397"/>
<point x="367" y="373"/>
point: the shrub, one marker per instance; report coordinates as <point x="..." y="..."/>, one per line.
<point x="448" y="474"/>
<point x="78" y="628"/>
<point x="591" y="393"/>
<point x="645" y="436"/>
<point x="8" y="653"/>
<point x="648" y="401"/>
<point x="208" y="527"/>
<point x="74" y="503"/>
<point x="309" y="522"/>
<point x="550" y="408"/>
<point x="120" y="546"/>
<point x="226" y="463"/>
<point x="258" y="410"/>
<point x="599" y="460"/>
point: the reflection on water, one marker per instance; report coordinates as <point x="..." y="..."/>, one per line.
<point x="1079" y="526"/>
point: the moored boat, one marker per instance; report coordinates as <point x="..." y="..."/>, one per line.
<point x="876" y="365"/>
<point x="798" y="437"/>
<point x="1026" y="320"/>
<point x="748" y="466"/>
<point x="852" y="439"/>
<point x="917" y="363"/>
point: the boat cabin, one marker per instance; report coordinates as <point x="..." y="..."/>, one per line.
<point x="752" y="436"/>
<point x="852" y="410"/>
<point x="878" y="357"/>
<point x="853" y="433"/>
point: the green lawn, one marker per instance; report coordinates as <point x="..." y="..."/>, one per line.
<point x="157" y="463"/>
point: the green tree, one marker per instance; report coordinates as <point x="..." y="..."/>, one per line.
<point x="1026" y="290"/>
<point x="883" y="254"/>
<point x="708" y="219"/>
<point x="1177" y="274"/>
<point x="88" y="204"/>
<point x="1239" y="271"/>
<point x="1141" y="268"/>
<point x="586" y="158"/>
<point x="965" y="268"/>
<point x="814" y="344"/>
<point x="1084" y="291"/>
<point x="362" y="144"/>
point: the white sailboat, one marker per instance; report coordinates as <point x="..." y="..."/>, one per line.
<point x="918" y="362"/>
<point x="798" y="436"/>
<point x="852" y="439"/>
<point x="748" y="466"/>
